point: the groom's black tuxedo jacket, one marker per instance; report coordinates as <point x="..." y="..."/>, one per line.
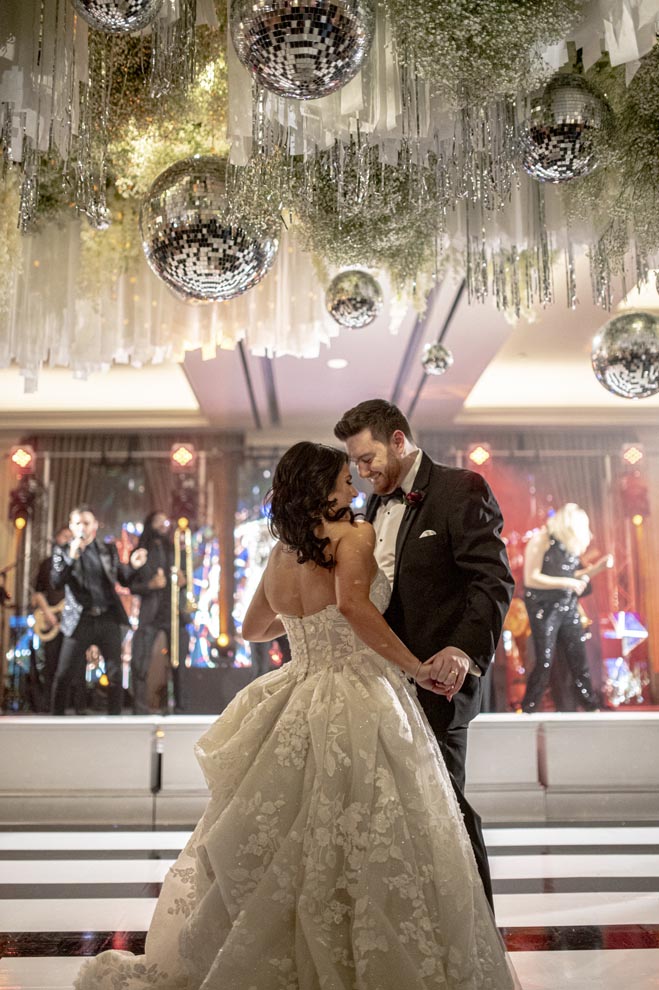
<point x="452" y="586"/>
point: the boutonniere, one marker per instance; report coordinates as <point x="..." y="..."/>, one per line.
<point x="414" y="498"/>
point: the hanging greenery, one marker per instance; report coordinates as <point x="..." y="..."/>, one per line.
<point x="620" y="200"/>
<point x="10" y="236"/>
<point x="470" y="47"/>
<point x="370" y="213"/>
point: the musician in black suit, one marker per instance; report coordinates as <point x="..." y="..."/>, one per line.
<point x="154" y="584"/>
<point x="438" y="539"/>
<point x="93" y="614"/>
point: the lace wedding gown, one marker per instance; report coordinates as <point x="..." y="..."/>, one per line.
<point x="332" y="855"/>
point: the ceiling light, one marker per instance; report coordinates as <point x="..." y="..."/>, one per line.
<point x="337" y="363"/>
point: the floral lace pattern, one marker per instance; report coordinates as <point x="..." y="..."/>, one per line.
<point x="332" y="854"/>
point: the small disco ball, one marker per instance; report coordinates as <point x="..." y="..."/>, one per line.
<point x="353" y="298"/>
<point x="557" y="137"/>
<point x="117" y="16"/>
<point x="191" y="240"/>
<point x="303" y="49"/>
<point x="626" y="356"/>
<point x="436" y="359"/>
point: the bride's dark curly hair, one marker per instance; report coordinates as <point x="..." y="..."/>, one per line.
<point x="299" y="499"/>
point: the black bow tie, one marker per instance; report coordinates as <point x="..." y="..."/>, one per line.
<point x="396" y="496"/>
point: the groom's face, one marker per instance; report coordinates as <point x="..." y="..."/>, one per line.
<point x="378" y="462"/>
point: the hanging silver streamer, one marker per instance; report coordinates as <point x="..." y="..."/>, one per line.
<point x="173" y="52"/>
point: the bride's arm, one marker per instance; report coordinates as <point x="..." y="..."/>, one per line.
<point x="352" y="580"/>
<point x="261" y="624"/>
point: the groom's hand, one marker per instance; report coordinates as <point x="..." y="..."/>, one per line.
<point x="449" y="668"/>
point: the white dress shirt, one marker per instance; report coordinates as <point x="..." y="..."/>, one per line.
<point x="387" y="523"/>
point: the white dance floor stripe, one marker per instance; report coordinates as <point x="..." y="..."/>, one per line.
<point x="89" y="914"/>
<point x="583" y="908"/>
<point x="33" y="973"/>
<point x="553" y="866"/>
<point x="84" y="870"/>
<point x="83" y="841"/>
<point x="91" y="871"/>
<point x="587" y="836"/>
<point x="589" y="969"/>
<point x="512" y="911"/>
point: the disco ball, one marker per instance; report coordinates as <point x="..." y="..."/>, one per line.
<point x="353" y="298"/>
<point x="117" y="16"/>
<point x="192" y="241"/>
<point x="303" y="49"/>
<point x="436" y="359"/>
<point x="557" y="137"/>
<point x="626" y="355"/>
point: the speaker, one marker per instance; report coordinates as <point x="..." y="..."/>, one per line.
<point x="208" y="691"/>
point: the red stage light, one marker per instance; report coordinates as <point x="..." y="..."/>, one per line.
<point x="182" y="457"/>
<point x="22" y="457"/>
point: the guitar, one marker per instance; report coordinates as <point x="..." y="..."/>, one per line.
<point x="43" y="630"/>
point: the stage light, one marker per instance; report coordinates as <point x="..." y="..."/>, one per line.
<point x="632" y="453"/>
<point x="637" y="519"/>
<point x="23" y="459"/>
<point x="182" y="522"/>
<point x="182" y="457"/>
<point x="223" y="640"/>
<point x="479" y="453"/>
<point x="103" y="680"/>
<point x="21" y="502"/>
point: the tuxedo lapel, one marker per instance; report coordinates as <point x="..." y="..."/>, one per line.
<point x="372" y="506"/>
<point x="421" y="482"/>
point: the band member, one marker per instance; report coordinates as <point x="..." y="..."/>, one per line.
<point x="48" y="603"/>
<point x="93" y="614"/>
<point x="154" y="585"/>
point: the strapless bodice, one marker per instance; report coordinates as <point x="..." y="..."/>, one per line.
<point x="326" y="639"/>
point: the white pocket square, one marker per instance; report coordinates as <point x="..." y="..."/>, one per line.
<point x="428" y="532"/>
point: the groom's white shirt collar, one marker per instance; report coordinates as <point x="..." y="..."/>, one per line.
<point x="407" y="484"/>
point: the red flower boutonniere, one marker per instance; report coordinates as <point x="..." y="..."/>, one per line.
<point x="414" y="498"/>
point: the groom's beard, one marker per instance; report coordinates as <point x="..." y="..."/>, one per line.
<point x="388" y="478"/>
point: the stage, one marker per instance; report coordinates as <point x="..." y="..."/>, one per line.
<point x="140" y="771"/>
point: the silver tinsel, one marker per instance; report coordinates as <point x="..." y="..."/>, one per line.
<point x="557" y="137"/>
<point x="353" y="298"/>
<point x="193" y="241"/>
<point x="118" y="16"/>
<point x="436" y="359"/>
<point x="626" y="355"/>
<point x="303" y="49"/>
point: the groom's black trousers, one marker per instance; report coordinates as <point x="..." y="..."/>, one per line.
<point x="453" y="744"/>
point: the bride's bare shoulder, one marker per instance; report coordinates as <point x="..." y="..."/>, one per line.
<point x="357" y="531"/>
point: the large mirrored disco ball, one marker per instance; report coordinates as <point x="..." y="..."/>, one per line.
<point x="191" y="239"/>
<point x="303" y="49"/>
<point x="557" y="136"/>
<point x="436" y="359"/>
<point x="626" y="355"/>
<point x="353" y="298"/>
<point x="118" y="16"/>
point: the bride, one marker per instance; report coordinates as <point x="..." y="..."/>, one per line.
<point x="332" y="855"/>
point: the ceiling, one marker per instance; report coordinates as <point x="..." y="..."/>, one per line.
<point x="531" y="373"/>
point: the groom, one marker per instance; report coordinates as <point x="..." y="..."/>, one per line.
<point x="438" y="541"/>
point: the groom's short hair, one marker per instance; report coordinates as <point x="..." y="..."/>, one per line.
<point x="382" y="418"/>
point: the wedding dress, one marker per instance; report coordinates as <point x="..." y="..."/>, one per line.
<point x="332" y="855"/>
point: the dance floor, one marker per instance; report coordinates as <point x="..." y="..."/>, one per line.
<point x="578" y="906"/>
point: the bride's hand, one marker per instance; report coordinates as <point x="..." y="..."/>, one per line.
<point x="423" y="678"/>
